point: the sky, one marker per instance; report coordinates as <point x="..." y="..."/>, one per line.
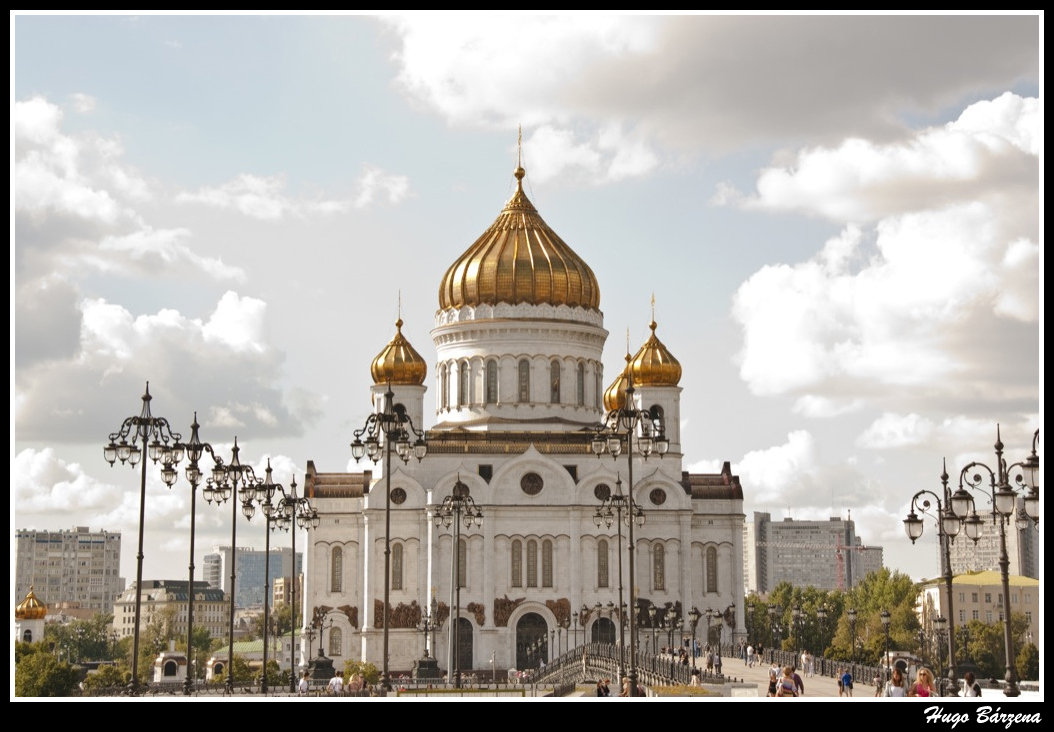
<point x="838" y="218"/>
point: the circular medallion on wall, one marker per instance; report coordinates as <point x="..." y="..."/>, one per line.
<point x="398" y="496"/>
<point x="532" y="484"/>
<point x="658" y="496"/>
<point x="602" y="491"/>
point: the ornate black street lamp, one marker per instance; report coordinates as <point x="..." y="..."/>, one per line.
<point x="1004" y="499"/>
<point x="821" y="614"/>
<point x="390" y="428"/>
<point x="941" y="624"/>
<point x="429" y="624"/>
<point x="851" y="614"/>
<point x="195" y="450"/>
<point x="948" y="526"/>
<point x="616" y="509"/>
<point x="693" y="619"/>
<point x="226" y="483"/>
<point x="885" y="617"/>
<point x="289" y="513"/>
<point x="796" y="617"/>
<point x="574" y="616"/>
<point x="454" y="509"/>
<point x="649" y="429"/>
<point x="160" y="443"/>
<point x="280" y="513"/>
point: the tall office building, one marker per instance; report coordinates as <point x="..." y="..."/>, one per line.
<point x="80" y="568"/>
<point x="1022" y="546"/>
<point x="249" y="571"/>
<point x="823" y="554"/>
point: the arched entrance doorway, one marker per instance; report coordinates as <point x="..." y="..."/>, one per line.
<point x="464" y="645"/>
<point x="532" y="641"/>
<point x="603" y="631"/>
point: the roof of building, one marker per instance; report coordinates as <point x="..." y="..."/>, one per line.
<point x="519" y="259"/>
<point x="991" y="577"/>
<point x="713" y="485"/>
<point x="399" y="363"/>
<point x="30" y="608"/>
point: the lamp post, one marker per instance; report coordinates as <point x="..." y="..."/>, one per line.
<point x="619" y="508"/>
<point x="159" y="443"/>
<point x="294" y="512"/>
<point x="652" y="610"/>
<point x="383" y="430"/>
<point x="942" y="633"/>
<point x="195" y="450"/>
<point x="851" y="614"/>
<point x="796" y="617"/>
<point x="693" y="618"/>
<point x="884" y="617"/>
<point x="565" y="626"/>
<point x="751" y="605"/>
<point x="574" y="616"/>
<point x="821" y="614"/>
<point x="948" y="526"/>
<point x="430" y="623"/>
<point x="226" y="482"/>
<point x="454" y="509"/>
<point x="1004" y="500"/>
<point x="279" y="514"/>
<point x="650" y="431"/>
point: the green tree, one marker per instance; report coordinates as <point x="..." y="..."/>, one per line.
<point x="39" y="673"/>
<point x="282" y="613"/>
<point x="365" y="669"/>
<point x="106" y="677"/>
<point x="987" y="646"/>
<point x="1028" y="663"/>
<point x="243" y="672"/>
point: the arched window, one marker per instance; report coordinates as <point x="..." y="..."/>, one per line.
<point x="444" y="386"/>
<point x="532" y="563"/>
<point x="462" y="386"/>
<point x="336" y="641"/>
<point x="525" y="382"/>
<point x="27" y="636"/>
<point x="336" y="570"/>
<point x="491" y="389"/>
<point x="602" y="563"/>
<point x="554" y="382"/>
<point x="580" y="385"/>
<point x="517" y="563"/>
<point x="397" y="566"/>
<point x="547" y="563"/>
<point x="711" y="569"/>
<point x="659" y="572"/>
<point x="598" y="388"/>
<point x="462" y="563"/>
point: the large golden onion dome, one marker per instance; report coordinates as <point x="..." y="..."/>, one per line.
<point x="615" y="395"/>
<point x="399" y="363"/>
<point x="654" y="365"/>
<point x="519" y="259"/>
<point x="31" y="608"/>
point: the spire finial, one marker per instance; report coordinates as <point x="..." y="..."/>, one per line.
<point x="520" y="172"/>
<point x="653" y="312"/>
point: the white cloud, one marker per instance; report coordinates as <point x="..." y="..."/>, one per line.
<point x="992" y="146"/>
<point x="895" y="430"/>
<point x="153" y="250"/>
<point x="904" y="302"/>
<point x="44" y="483"/>
<point x="83" y="103"/>
<point x="666" y="80"/>
<point x="118" y="351"/>
<point x="375" y="184"/>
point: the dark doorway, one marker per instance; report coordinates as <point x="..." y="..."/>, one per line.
<point x="532" y="641"/>
<point x="603" y="631"/>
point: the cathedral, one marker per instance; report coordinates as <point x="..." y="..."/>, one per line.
<point x="519" y="337"/>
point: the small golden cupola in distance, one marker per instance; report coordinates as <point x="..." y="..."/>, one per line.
<point x="654" y="365"/>
<point x="399" y="363"/>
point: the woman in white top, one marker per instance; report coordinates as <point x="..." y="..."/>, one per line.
<point x="898" y="685"/>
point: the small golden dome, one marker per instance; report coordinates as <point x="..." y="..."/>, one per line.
<point x="519" y="259"/>
<point x="31" y="608"/>
<point x="615" y="395"/>
<point x="399" y="363"/>
<point x="654" y="365"/>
